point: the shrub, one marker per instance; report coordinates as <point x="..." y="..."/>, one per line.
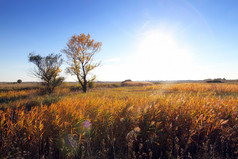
<point x="19" y="81"/>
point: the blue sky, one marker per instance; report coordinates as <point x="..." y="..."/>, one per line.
<point x="142" y="39"/>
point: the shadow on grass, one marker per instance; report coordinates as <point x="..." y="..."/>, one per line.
<point x="11" y="99"/>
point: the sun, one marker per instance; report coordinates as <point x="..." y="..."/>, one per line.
<point x="160" y="55"/>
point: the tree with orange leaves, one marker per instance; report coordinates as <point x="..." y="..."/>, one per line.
<point x="80" y="51"/>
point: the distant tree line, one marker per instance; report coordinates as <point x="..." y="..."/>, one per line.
<point x="216" y="80"/>
<point x="80" y="51"/>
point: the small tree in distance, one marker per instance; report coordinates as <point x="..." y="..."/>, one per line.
<point x="48" y="69"/>
<point x="19" y="81"/>
<point x="80" y="51"/>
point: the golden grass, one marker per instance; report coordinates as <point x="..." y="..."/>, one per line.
<point x="160" y="121"/>
<point x="18" y="86"/>
<point x="130" y="83"/>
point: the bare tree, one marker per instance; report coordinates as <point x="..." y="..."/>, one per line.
<point x="48" y="69"/>
<point x="80" y="51"/>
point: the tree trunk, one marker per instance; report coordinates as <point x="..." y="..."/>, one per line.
<point x="85" y="87"/>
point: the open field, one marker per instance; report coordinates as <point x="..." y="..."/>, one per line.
<point x="185" y="120"/>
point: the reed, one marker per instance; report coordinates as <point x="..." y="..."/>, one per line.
<point x="159" y="121"/>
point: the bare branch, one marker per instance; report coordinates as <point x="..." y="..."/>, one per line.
<point x="47" y="69"/>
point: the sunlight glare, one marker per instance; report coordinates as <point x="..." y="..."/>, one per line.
<point x="161" y="56"/>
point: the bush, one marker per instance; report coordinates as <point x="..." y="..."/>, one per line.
<point x="19" y="81"/>
<point x="91" y="84"/>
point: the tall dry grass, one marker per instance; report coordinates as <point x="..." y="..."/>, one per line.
<point x="165" y="121"/>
